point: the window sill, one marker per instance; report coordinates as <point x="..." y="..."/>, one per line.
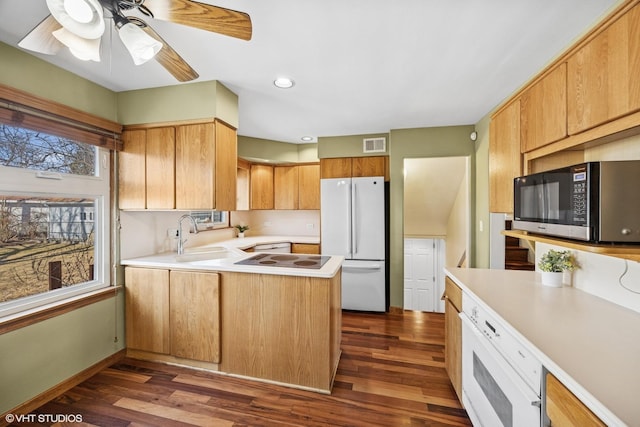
<point x="30" y="317"/>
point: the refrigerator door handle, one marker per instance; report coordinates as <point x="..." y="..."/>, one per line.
<point x="360" y="268"/>
<point x="354" y="215"/>
<point x="349" y="242"/>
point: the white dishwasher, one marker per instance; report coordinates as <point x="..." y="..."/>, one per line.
<point x="280" y="248"/>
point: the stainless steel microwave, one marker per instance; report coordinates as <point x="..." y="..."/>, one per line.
<point x="597" y="202"/>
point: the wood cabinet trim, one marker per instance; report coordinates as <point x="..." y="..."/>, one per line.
<point x="565" y="409"/>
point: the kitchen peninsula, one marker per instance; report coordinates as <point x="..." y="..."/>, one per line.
<point x="212" y="309"/>
<point x="588" y="344"/>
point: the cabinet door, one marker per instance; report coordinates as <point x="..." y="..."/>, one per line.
<point x="335" y="168"/>
<point x="147" y="309"/>
<point x="195" y="315"/>
<point x="305" y="248"/>
<point x="367" y="166"/>
<point x="160" y="174"/>
<point x="504" y="157"/>
<point x="195" y="166"/>
<point x="226" y="142"/>
<point x="543" y="111"/>
<point x="603" y="75"/>
<point x="564" y="409"/>
<point x="131" y="174"/>
<point x="261" y="187"/>
<point x="285" y="187"/>
<point x="242" y="185"/>
<point x="453" y="346"/>
<point x="309" y="187"/>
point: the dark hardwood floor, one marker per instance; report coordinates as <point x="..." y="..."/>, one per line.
<point x="391" y="373"/>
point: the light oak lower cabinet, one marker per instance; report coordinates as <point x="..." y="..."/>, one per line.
<point x="147" y="309"/>
<point x="453" y="335"/>
<point x="282" y="328"/>
<point x="173" y="313"/>
<point x="194" y="317"/>
<point x="305" y="248"/>
<point x="564" y="409"/>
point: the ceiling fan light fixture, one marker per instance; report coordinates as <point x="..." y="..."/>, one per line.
<point x="141" y="46"/>
<point x="81" y="48"/>
<point x="84" y="18"/>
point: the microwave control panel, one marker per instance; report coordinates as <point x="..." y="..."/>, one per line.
<point x="580" y="194"/>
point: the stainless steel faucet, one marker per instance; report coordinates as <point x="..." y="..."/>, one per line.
<point x="180" y="240"/>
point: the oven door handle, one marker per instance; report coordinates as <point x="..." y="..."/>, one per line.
<point x="510" y="372"/>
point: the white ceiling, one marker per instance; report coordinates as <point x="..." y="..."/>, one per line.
<point x="360" y="66"/>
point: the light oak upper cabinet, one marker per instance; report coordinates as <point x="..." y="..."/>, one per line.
<point x="347" y="167"/>
<point x="504" y="157"/>
<point x="543" y="110"/>
<point x="160" y="175"/>
<point x="335" y="167"/>
<point x="132" y="189"/>
<point x="368" y="166"/>
<point x="603" y="75"/>
<point x="195" y="166"/>
<point x="261" y="192"/>
<point x="179" y="167"/>
<point x="309" y="187"/>
<point x="285" y="184"/>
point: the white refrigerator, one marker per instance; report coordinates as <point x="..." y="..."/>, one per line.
<point x="352" y="224"/>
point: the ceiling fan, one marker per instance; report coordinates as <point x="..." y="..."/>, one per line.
<point x="79" y="25"/>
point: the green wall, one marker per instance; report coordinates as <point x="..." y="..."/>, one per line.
<point x="201" y="100"/>
<point x="40" y="356"/>
<point x="30" y="74"/>
<point x="265" y="150"/>
<point x="481" y="252"/>
<point x="416" y="143"/>
<point x="347" y="146"/>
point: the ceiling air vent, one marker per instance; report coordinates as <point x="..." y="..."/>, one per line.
<point x="374" y="145"/>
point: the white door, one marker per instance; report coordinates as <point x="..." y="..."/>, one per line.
<point x="423" y="274"/>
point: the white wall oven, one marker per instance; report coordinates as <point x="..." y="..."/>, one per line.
<point x="501" y="380"/>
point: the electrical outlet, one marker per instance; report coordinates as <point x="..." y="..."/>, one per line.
<point x="267" y="224"/>
<point x="310" y="226"/>
<point x="172" y="232"/>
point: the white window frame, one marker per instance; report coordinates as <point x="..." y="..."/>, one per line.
<point x="22" y="182"/>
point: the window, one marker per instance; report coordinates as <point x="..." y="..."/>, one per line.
<point x="209" y="220"/>
<point x="54" y="218"/>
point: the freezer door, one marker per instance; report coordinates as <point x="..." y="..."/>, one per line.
<point x="363" y="285"/>
<point x="367" y="218"/>
<point x="335" y="216"/>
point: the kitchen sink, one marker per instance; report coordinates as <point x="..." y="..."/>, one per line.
<point x="202" y="256"/>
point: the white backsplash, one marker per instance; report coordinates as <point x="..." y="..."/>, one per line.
<point x="614" y="279"/>
<point x="280" y="222"/>
<point x="145" y="233"/>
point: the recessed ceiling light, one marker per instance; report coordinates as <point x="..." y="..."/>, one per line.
<point x="307" y="138"/>
<point x="283" y="82"/>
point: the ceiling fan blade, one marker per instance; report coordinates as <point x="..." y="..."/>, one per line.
<point x="170" y="60"/>
<point x="41" y="40"/>
<point x="203" y="16"/>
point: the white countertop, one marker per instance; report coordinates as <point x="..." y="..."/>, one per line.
<point x="222" y="256"/>
<point x="588" y="343"/>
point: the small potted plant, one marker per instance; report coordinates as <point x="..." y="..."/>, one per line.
<point x="553" y="264"/>
<point x="241" y="230"/>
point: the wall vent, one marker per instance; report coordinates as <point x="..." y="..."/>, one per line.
<point x="374" y="145"/>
